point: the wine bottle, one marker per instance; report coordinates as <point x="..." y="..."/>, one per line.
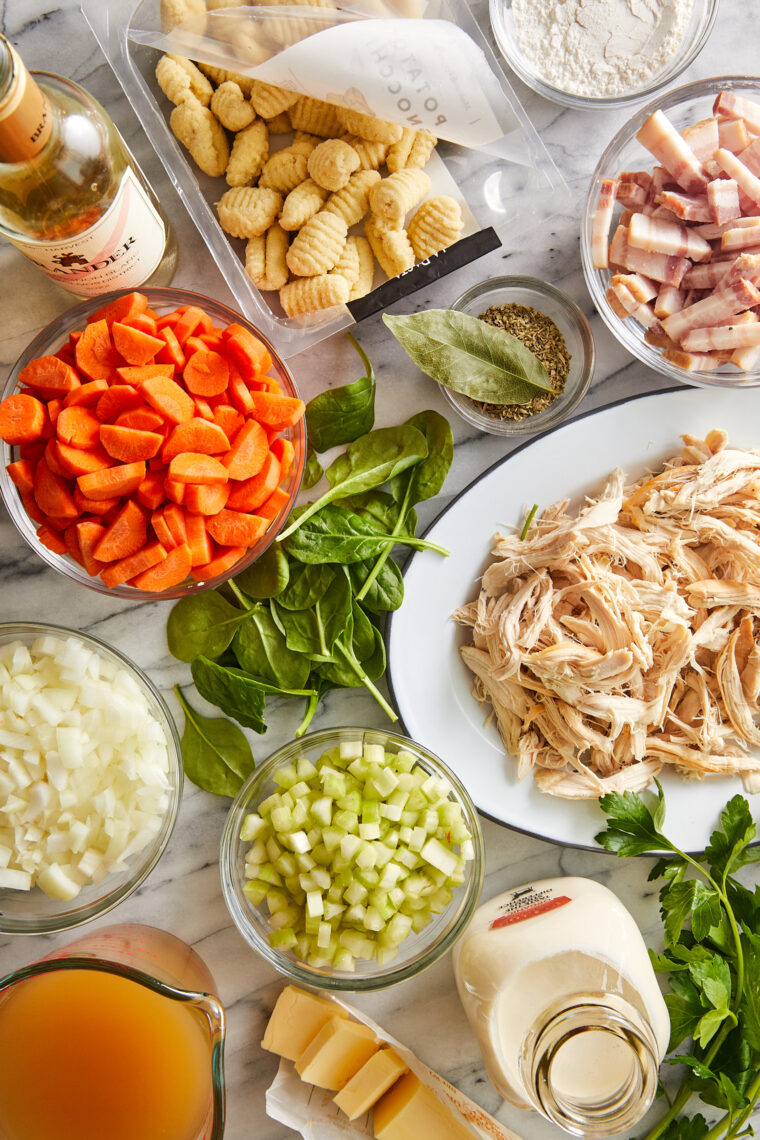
<point x="72" y="197"/>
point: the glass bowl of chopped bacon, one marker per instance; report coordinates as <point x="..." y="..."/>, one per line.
<point x="670" y="242"/>
<point x="152" y="444"/>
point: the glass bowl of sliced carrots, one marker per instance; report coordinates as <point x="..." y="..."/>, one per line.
<point x="152" y="443"/>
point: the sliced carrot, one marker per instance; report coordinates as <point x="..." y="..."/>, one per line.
<point x="118" y="572"/>
<point x="169" y="320"/>
<point x="95" y="353"/>
<point x="212" y="339"/>
<point x="284" y="452"/>
<point x="253" y="493"/>
<point x="135" y="346"/>
<point x="122" y="309"/>
<point x="169" y="572"/>
<point x="129" y="444"/>
<point x="228" y="419"/>
<point x="206" y="373"/>
<point x="198" y="539"/>
<point x="49" y="374"/>
<point x="168" y="398"/>
<point x="52" y="494"/>
<point x="72" y="543"/>
<point x="274" y="504"/>
<point x="126" y="534"/>
<point x="143" y="419"/>
<point x="51" y="540"/>
<point x="201" y="343"/>
<point x="52" y="459"/>
<point x="249" y="353"/>
<point x="203" y="499"/>
<point x="75" y="461"/>
<point x="171" y="353"/>
<point x="239" y="394"/>
<point x="79" y="427"/>
<point x="151" y="492"/>
<point x="191" y="319"/>
<point x="88" y="506"/>
<point x="195" y="435"/>
<point x="119" y="480"/>
<point x="88" y="534"/>
<point x="248" y="453"/>
<point x="195" y="467"/>
<point x="142" y="321"/>
<point x="31" y="451"/>
<point x="236" y="528"/>
<point x="66" y="354"/>
<point x="34" y="512"/>
<point x="175" y="491"/>
<point x="22" y="475"/>
<point x="223" y="560"/>
<point x="162" y="530"/>
<point x="54" y="407"/>
<point x="119" y="398"/>
<point x="175" y="520"/>
<point x="86" y="395"/>
<point x="131" y="374"/>
<point x="204" y="409"/>
<point x="271" y="409"/>
<point x="22" y="418"/>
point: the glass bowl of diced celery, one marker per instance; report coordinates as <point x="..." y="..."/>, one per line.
<point x="352" y="859"/>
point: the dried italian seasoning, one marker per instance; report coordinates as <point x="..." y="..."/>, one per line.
<point x="541" y="336"/>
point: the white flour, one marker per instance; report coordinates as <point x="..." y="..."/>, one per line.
<point x="600" y="47"/>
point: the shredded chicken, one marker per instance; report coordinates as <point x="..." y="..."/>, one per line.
<point x="626" y="637"/>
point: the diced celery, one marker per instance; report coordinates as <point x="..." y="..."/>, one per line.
<point x="283" y="939"/>
<point x="333" y="909"/>
<point x="369" y="830"/>
<point x="405" y="761"/>
<point x="351" y="749"/>
<point x="348" y="820"/>
<point x="281" y="819"/>
<point x="355" y="914"/>
<point x="287" y="917"/>
<point x="417" y="839"/>
<point x="299" y="790"/>
<point x="256" y="891"/>
<point x="391" y="811"/>
<point x="365" y="857"/>
<point x="370" y="811"/>
<point x="354" y="893"/>
<point x="407" y="858"/>
<point x="312" y="923"/>
<point x="405" y="834"/>
<point x="467" y="850"/>
<point x="331" y="837"/>
<point x="285" y="864"/>
<point x="368" y="878"/>
<point x="351" y="801"/>
<point x="373" y="920"/>
<point x="253" y="826"/>
<point x="286" y="777"/>
<point x="304" y="861"/>
<point x="321" y="877"/>
<point x="300" y="814"/>
<point x="350" y="845"/>
<point x="321" y="855"/>
<point x="266" y="806"/>
<point x="344" y="960"/>
<point x="277" y="899"/>
<point x="395" y="897"/>
<point x="305" y="768"/>
<point x="386" y="782"/>
<point x="256" y="853"/>
<point x="324" y="935"/>
<point x="386" y="954"/>
<point x="420" y="920"/>
<point x="273" y="849"/>
<point x="383" y="854"/>
<point x="398" y="928"/>
<point x="359" y="768"/>
<point x="439" y="856"/>
<point x="392" y="873"/>
<point x="375" y="754"/>
<point x="417" y="800"/>
<point x="267" y="872"/>
<point x="321" y="811"/>
<point x="299" y="842"/>
<point x="314" y="903"/>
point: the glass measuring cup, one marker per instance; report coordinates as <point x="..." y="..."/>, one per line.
<point x="163" y="967"/>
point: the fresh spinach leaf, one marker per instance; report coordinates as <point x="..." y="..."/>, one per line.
<point x="314" y="631"/>
<point x="215" y="753"/>
<point x="366" y="463"/>
<point x="261" y="649"/>
<point x="312" y="471"/>
<point x="425" y="480"/>
<point x="267" y="577"/>
<point x="232" y="691"/>
<point x="202" y="624"/>
<point x="470" y="356"/>
<point x="335" y="534"/>
<point x="306" y="586"/>
<point x="385" y="592"/>
<point x="341" y="415"/>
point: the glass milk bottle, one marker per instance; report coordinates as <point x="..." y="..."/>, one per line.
<point x="560" y="993"/>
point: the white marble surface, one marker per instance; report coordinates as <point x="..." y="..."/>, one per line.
<point x="183" y="893"/>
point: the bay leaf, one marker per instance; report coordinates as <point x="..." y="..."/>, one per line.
<point x="470" y="356"/>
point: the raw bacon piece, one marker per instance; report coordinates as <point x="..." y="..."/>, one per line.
<point x="721" y="337"/>
<point x="686" y="208"/>
<point x="600" y="226"/>
<point x="713" y="310"/>
<point x="741" y="238"/>
<point x="747" y="265"/>
<point x="737" y="107"/>
<point x="748" y="182"/>
<point x="751" y="157"/>
<point x="690" y="361"/>
<point x="733" y="135"/>
<point x="658" y="266"/>
<point x="641" y="177"/>
<point x="640" y="312"/>
<point x="703" y="138"/>
<point x="639" y="286"/>
<point x="705" y="276"/>
<point x="723" y="200"/>
<point x="745" y="358"/>
<point x="669" y="301"/>
<point x="656" y="235"/>
<point x="711" y="232"/>
<point x="660" y="137"/>
<point x="618" y="309"/>
<point x="632" y="195"/>
<point x="658" y="339"/>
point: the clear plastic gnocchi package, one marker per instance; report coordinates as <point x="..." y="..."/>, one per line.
<point x="335" y="158"/>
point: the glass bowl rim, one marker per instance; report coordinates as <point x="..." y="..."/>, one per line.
<point x="292" y="968"/>
<point x="59" y="327"/>
<point x="628" y="334"/>
<point x="691" y="49"/>
<point x="556" y="412"/>
<point x="87" y="913"/>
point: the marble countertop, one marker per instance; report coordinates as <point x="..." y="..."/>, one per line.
<point x="183" y="893"/>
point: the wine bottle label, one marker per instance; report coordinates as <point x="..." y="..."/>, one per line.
<point x="121" y="251"/>
<point x="25" y="116"/>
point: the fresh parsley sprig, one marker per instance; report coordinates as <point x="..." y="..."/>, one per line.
<point x="712" y="956"/>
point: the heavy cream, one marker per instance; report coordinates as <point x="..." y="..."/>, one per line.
<point x="559" y="990"/>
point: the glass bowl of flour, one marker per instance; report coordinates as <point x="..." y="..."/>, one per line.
<point x="600" y="53"/>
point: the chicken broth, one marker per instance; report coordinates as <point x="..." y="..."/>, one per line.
<point x="88" y="1055"/>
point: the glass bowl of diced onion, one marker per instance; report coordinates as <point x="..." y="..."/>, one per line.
<point x="90" y="778"/>
<point x="684" y="107"/>
<point x="352" y="859"/>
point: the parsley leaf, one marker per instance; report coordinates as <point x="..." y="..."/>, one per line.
<point x="632" y="829"/>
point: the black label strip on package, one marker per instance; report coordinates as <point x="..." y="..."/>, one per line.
<point x="461" y="253"/>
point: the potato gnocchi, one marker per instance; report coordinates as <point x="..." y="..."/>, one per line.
<point x="294" y="206"/>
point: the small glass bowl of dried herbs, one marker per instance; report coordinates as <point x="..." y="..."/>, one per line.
<point x="554" y="329"/>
